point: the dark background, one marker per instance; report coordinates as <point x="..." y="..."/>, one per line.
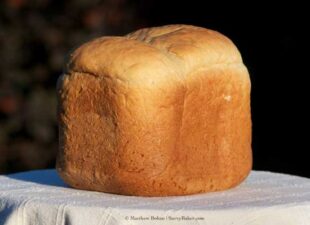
<point x="37" y="36"/>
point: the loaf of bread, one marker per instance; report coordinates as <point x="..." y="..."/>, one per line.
<point x="161" y="111"/>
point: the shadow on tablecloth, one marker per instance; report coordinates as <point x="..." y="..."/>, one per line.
<point x="48" y="177"/>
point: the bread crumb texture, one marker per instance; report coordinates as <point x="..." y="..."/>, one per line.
<point x="161" y="111"/>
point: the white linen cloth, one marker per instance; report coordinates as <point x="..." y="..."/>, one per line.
<point x="265" y="198"/>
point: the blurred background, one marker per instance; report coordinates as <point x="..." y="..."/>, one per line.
<point x="36" y="36"/>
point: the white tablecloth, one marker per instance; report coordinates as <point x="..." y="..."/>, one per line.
<point x="41" y="198"/>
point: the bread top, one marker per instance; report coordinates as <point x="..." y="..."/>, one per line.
<point x="154" y="55"/>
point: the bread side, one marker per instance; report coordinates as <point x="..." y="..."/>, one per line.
<point x="162" y="111"/>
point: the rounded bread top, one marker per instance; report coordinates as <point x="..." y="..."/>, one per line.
<point x="150" y="54"/>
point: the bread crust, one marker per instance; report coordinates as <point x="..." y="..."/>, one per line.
<point x="161" y="111"/>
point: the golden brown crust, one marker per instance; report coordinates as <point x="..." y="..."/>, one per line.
<point x="161" y="111"/>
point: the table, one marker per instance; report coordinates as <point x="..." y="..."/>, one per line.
<point x="41" y="198"/>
